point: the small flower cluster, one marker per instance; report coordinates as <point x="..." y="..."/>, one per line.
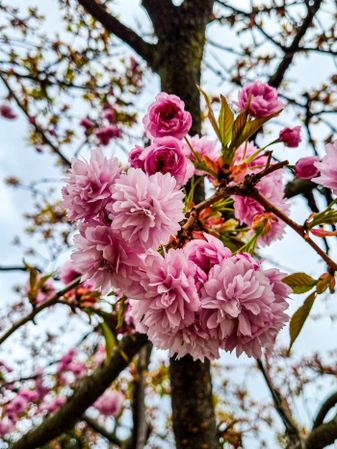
<point x="7" y="112"/>
<point x="249" y="211"/>
<point x="201" y="298"/>
<point x="45" y="397"/>
<point x="186" y="290"/>
<point x="110" y="403"/>
<point x="40" y="398"/>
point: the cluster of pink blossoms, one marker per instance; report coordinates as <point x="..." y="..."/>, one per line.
<point x="247" y="210"/>
<point x="197" y="298"/>
<point x="107" y="130"/>
<point x="328" y="168"/>
<point x="46" y="397"/>
<point x="201" y="298"/>
<point x="41" y="396"/>
<point x="110" y="403"/>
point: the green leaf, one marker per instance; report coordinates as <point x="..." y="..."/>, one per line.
<point x="210" y="113"/>
<point x="238" y="127"/>
<point x="298" y="319"/>
<point x="249" y="247"/>
<point x="226" y="120"/>
<point x="328" y="216"/>
<point x="43" y="280"/>
<point x="300" y="282"/>
<point x="33" y="275"/>
<point x="252" y="126"/>
<point x="110" y="340"/>
<point x="121" y="312"/>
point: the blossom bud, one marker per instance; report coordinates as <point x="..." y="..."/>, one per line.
<point x="305" y="167"/>
<point x="291" y="137"/>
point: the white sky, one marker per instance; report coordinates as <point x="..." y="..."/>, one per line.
<point x="17" y="159"/>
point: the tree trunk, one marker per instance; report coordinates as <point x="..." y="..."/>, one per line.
<point x="181" y="43"/>
<point x="192" y="404"/>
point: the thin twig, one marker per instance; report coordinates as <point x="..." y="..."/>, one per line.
<point x="279" y="403"/>
<point x="268" y="206"/>
<point x="37" y="128"/>
<point x="30" y="317"/>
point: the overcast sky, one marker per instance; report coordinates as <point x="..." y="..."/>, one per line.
<point x="18" y="159"/>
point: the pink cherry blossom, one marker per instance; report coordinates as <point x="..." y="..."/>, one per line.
<point x="29" y="395"/>
<point x="272" y="187"/>
<point x="205" y="253"/>
<point x="103" y="257"/>
<point x="17" y="405"/>
<point x="53" y="405"/>
<point x="170" y="297"/>
<point x="328" y="168"/>
<point x="146" y="210"/>
<point x="7" y="112"/>
<point x="106" y="133"/>
<point x="306" y="168"/>
<point x="79" y="369"/>
<point x="110" y="403"/>
<point x="110" y="115"/>
<point x="167" y="155"/>
<point x="167" y="117"/>
<point x="45" y="292"/>
<point x="40" y="388"/>
<point x="66" y="360"/>
<point x="190" y="340"/>
<point x="68" y="273"/>
<point x="87" y="124"/>
<point x="134" y="157"/>
<point x="243" y="306"/>
<point x="6" y="427"/>
<point x="261" y="99"/>
<point x="88" y="184"/>
<point x="204" y="147"/>
<point x="291" y="137"/>
<point x="99" y="356"/>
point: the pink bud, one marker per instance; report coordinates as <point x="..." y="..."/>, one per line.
<point x="104" y="135"/>
<point x="6" y="426"/>
<point x="87" y="123"/>
<point x="134" y="158"/>
<point x="305" y="167"/>
<point x="110" y="115"/>
<point x="7" y="112"/>
<point x="321" y="232"/>
<point x="291" y="137"/>
<point x="260" y="99"/>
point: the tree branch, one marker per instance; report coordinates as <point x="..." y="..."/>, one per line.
<point x="281" y="406"/>
<point x="114" y="26"/>
<point x="37" y="128"/>
<point x="192" y="404"/>
<point x="322" y="436"/>
<point x="17" y="268"/>
<point x="268" y="206"/>
<point x="90" y="388"/>
<point x="327" y="405"/>
<point x="30" y="317"/>
<point x="157" y="10"/>
<point x="276" y="79"/>
<point x="102" y="431"/>
<point x="140" y="426"/>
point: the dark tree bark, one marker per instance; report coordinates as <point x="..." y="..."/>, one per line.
<point x="181" y="39"/>
<point x="192" y="404"/>
<point x="90" y="388"/>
